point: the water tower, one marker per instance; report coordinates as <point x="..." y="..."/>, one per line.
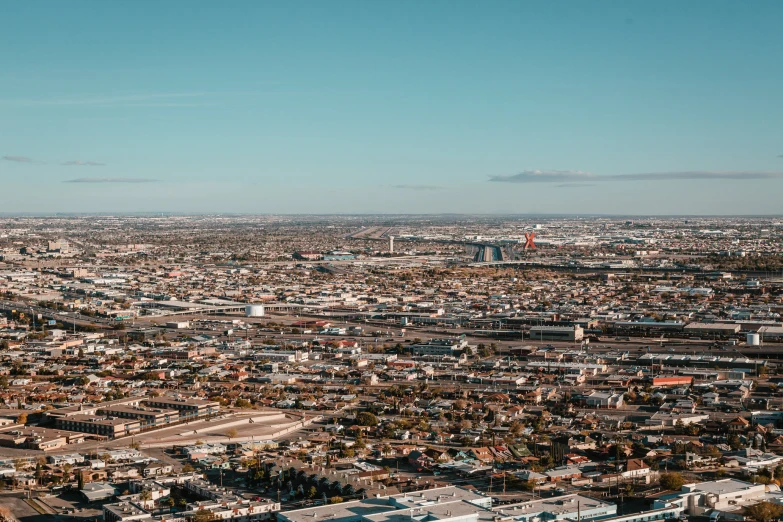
<point x="254" y="310"/>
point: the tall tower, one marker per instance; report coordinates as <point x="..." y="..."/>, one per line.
<point x="391" y="244"/>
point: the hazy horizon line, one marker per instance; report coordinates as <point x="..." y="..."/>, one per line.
<point x="359" y="214"/>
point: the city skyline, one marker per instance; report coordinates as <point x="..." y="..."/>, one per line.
<point x="391" y="108"/>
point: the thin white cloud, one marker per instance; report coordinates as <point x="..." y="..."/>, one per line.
<point x="19" y="159"/>
<point x="111" y="180"/>
<point x="572" y="176"/>
<point x="545" y="176"/>
<point x="80" y="163"/>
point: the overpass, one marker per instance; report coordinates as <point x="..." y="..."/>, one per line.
<point x="174" y="308"/>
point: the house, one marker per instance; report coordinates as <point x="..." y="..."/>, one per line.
<point x="501" y="453"/>
<point x="519" y="450"/>
<point x="636" y="469"/>
<point x="419" y="459"/>
<point x="573" y="459"/>
<point x="580" y="443"/>
<point x="482" y="454"/>
<point x="710" y="399"/>
<point x="738" y="425"/>
<point x="563" y="473"/>
<point x="157" y="469"/>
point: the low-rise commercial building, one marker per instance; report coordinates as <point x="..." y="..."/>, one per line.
<point x="111" y="427"/>
<point x="557" y="333"/>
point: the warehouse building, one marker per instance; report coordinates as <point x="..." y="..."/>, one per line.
<point x="557" y="333"/>
<point x="712" y="329"/>
<point x="439" y="347"/>
<point x="771" y="333"/>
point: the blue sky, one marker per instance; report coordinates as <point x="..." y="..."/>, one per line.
<point x="400" y="106"/>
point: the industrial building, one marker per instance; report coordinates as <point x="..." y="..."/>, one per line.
<point x="557" y="333"/>
<point x="454" y="504"/>
<point x="566" y="507"/>
<point x="339" y="256"/>
<point x="712" y="329"/>
<point x="447" y="504"/>
<point x="438" y="347"/>
<point x="771" y="333"/>
<point x="308" y="256"/>
<point x="282" y="356"/>
<point x="719" y="500"/>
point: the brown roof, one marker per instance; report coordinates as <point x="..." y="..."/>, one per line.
<point x="634" y="464"/>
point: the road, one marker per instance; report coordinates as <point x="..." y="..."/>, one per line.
<point x="633" y="344"/>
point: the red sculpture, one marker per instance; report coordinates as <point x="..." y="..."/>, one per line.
<point x="529" y="240"/>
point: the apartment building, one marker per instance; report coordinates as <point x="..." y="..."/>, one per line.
<point x="110" y="427"/>
<point x="187" y="407"/>
<point x="149" y="417"/>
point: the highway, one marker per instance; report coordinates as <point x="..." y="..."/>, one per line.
<point x="392" y="333"/>
<point x="67" y="318"/>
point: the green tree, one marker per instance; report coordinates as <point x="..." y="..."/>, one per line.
<point x="366" y="418"/>
<point x="672" y="481"/>
<point x="764" y="511"/>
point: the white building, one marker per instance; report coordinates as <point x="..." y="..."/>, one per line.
<point x="719" y="499"/>
<point x="604" y="400"/>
